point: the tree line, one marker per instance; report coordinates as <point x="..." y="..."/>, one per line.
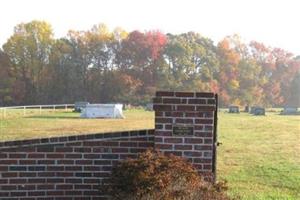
<point x="99" y="65"/>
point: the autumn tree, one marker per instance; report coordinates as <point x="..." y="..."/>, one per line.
<point x="28" y="50"/>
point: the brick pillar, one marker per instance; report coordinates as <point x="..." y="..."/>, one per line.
<point x="184" y="126"/>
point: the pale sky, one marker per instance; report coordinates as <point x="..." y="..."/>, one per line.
<point x="273" y="22"/>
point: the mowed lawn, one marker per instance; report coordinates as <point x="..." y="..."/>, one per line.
<point x="259" y="157"/>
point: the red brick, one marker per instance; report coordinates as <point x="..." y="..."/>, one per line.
<point x="175" y="153"/>
<point x="184" y="120"/>
<point x="163" y="120"/>
<point x="55" y="193"/>
<point x="173" y="140"/>
<point x="128" y="144"/>
<point x="193" y="140"/>
<point x="207" y="167"/>
<point x="205" y="94"/>
<point x="183" y="147"/>
<point x="203" y="147"/>
<point x="164" y="93"/>
<point x="208" y="141"/>
<point x="3" y="155"/>
<point x="55" y="155"/>
<point x="45" y="187"/>
<point x="125" y="156"/>
<point x="203" y="121"/>
<point x="91" y="168"/>
<point x="159" y="126"/>
<point x="145" y="144"/>
<point x="27" y="162"/>
<point x="36" y="155"/>
<point x="204" y="134"/>
<point x="211" y="101"/>
<point x="197" y="127"/>
<point x="184" y="94"/>
<point x="55" y="168"/>
<point x="73" y="155"/>
<point x="163" y="133"/>
<point x="171" y="100"/>
<point x="208" y="128"/>
<point x="163" y="146"/>
<point x="46" y="174"/>
<point x="8" y="162"/>
<point x="73" y="168"/>
<point x="177" y="114"/>
<point x="65" y="162"/>
<point x="185" y="108"/>
<point x="37" y="193"/>
<point x="17" y="155"/>
<point x="63" y="174"/>
<point x="162" y="107"/>
<point x="64" y="187"/>
<point x="27" y="174"/>
<point x="168" y="114"/>
<point x="159" y="114"/>
<point x="193" y="153"/>
<point x="64" y="149"/>
<point x="197" y="101"/>
<point x="205" y="108"/>
<point x="17" y="194"/>
<point x="9" y="174"/>
<point x="202" y="160"/>
<point x="84" y="162"/>
<point x="168" y="127"/>
<point x="137" y="150"/>
<point x="92" y="156"/>
<point x="3" y="168"/>
<point x="119" y="150"/>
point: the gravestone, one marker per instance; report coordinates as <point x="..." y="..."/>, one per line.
<point x="252" y="109"/>
<point x="185" y="125"/>
<point x="246" y="109"/>
<point x="102" y="111"/>
<point x="259" y="111"/>
<point x="234" y="109"/>
<point x="149" y="107"/>
<point x="288" y="110"/>
<point x="80" y="105"/>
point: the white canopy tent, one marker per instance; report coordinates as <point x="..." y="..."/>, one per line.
<point x="102" y="111"/>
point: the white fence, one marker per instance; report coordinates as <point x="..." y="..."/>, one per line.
<point x="5" y="110"/>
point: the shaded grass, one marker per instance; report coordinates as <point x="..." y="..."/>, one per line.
<point x="260" y="155"/>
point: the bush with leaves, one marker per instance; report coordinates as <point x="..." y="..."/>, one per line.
<point x="154" y="176"/>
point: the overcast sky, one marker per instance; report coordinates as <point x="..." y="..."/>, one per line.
<point x="275" y="23"/>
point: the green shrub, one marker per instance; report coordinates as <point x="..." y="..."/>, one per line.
<point x="154" y="176"/>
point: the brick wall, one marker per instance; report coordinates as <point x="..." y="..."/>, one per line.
<point x="65" y="168"/>
<point x="192" y="115"/>
<point x="76" y="167"/>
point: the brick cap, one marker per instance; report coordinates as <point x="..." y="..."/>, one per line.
<point x="184" y="94"/>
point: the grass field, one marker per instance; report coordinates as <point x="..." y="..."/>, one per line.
<point x="260" y="155"/>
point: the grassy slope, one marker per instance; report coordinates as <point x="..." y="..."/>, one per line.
<point x="260" y="155"/>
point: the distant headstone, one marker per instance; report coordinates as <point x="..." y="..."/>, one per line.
<point x="252" y="109"/>
<point x="234" y="109"/>
<point x="290" y="111"/>
<point x="102" y="111"/>
<point x="149" y="106"/>
<point x="246" y="109"/>
<point x="80" y="105"/>
<point x="259" y="111"/>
